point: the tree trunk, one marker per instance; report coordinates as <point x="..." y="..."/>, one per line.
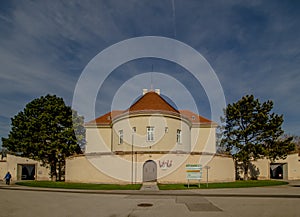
<point x="53" y="171"/>
<point x="237" y="174"/>
<point x="246" y="168"/>
<point x="59" y="171"/>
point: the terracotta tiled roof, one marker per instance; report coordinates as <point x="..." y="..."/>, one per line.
<point x="194" y="118"/>
<point x="106" y="118"/>
<point x="151" y="101"/>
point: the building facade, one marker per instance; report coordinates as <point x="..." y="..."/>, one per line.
<point x="23" y="168"/>
<point x="150" y="141"/>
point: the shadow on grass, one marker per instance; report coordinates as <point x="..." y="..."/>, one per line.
<point x="236" y="184"/>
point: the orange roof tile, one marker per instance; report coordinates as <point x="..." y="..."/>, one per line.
<point x="194" y="118"/>
<point x="151" y="101"/>
<point x="106" y="118"/>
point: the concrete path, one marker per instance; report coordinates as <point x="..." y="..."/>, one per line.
<point x="149" y="186"/>
<point x="274" y="201"/>
<point x="285" y="191"/>
<point x="28" y="203"/>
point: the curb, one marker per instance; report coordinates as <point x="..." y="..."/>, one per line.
<point x="148" y="193"/>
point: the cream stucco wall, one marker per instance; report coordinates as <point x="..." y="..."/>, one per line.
<point x="293" y="166"/>
<point x="165" y="131"/>
<point x="118" y="168"/>
<point x="262" y="167"/>
<point x="203" y="139"/>
<point x="196" y="138"/>
<point x="80" y="169"/>
<point x="221" y="170"/>
<point x="98" y="139"/>
<point x="3" y="168"/>
<point x="107" y="161"/>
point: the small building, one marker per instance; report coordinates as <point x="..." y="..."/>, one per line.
<point x="150" y="141"/>
<point x="23" y="168"/>
<point x="286" y="169"/>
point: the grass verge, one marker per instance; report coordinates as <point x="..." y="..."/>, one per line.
<point x="85" y="186"/>
<point x="236" y="184"/>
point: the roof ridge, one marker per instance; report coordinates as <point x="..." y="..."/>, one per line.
<point x="141" y="105"/>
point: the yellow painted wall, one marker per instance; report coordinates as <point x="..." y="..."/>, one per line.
<point x="164" y="139"/>
<point x="203" y="139"/>
<point x="195" y="138"/>
<point x="98" y="139"/>
<point x="118" y="169"/>
<point x="263" y="167"/>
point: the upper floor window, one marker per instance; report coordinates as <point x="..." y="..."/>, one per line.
<point x="178" y="137"/>
<point x="150" y="134"/>
<point x="121" y="135"/>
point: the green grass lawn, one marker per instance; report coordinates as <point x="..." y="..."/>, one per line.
<point x="236" y="184"/>
<point x="86" y="186"/>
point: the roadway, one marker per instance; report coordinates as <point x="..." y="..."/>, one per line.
<point x="264" y="201"/>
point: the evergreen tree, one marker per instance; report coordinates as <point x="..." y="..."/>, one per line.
<point x="44" y="131"/>
<point x="251" y="131"/>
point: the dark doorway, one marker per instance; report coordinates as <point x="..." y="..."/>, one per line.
<point x="28" y="171"/>
<point x="149" y="171"/>
<point x="278" y="171"/>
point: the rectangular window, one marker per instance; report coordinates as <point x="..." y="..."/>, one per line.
<point x="121" y="137"/>
<point x="150" y="134"/>
<point x="178" y="136"/>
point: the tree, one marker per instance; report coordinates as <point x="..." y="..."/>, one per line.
<point x="296" y="140"/>
<point x="251" y="132"/>
<point x="44" y="131"/>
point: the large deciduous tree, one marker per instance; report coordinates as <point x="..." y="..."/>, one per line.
<point x="251" y="131"/>
<point x="44" y="131"/>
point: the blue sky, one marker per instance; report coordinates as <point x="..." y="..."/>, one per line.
<point x="253" y="47"/>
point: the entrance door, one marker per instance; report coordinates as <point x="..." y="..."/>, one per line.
<point x="279" y="171"/>
<point x="149" y="171"/>
<point x="27" y="171"/>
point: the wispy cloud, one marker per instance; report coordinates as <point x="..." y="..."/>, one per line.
<point x="253" y="47"/>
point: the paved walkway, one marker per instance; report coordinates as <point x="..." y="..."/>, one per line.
<point x="285" y="191"/>
<point x="149" y="186"/>
<point x="242" y="202"/>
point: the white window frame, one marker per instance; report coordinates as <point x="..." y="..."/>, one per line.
<point x="150" y="134"/>
<point x="179" y="136"/>
<point x="121" y="137"/>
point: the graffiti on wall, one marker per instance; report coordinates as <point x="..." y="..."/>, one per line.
<point x="164" y="164"/>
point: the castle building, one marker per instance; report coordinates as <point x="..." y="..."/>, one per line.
<point x="150" y="141"/>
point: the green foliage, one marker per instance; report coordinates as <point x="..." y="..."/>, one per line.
<point x="44" y="131"/>
<point x="251" y="131"/>
<point x="85" y="186"/>
<point x="236" y="184"/>
<point x="296" y="140"/>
